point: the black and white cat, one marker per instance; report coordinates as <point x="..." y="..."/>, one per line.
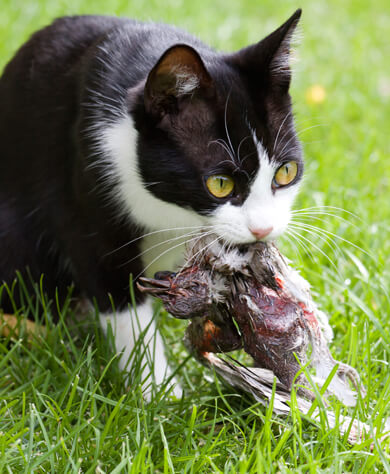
<point x="120" y="140"/>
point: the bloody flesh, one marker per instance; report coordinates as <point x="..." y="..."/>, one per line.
<point x="250" y="298"/>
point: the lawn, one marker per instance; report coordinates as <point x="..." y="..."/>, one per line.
<point x="64" y="406"/>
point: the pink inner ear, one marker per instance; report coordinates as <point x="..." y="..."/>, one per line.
<point x="183" y="60"/>
<point x="179" y="72"/>
<point x="178" y="64"/>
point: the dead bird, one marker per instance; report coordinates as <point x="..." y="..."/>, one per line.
<point x="249" y="297"/>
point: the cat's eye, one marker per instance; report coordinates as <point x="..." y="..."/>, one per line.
<point x="220" y="185"/>
<point x="286" y="174"/>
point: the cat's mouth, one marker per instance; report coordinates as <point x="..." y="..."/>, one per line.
<point x="244" y="236"/>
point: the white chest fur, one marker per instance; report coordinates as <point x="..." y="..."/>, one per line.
<point x="162" y="247"/>
<point x="118" y="142"/>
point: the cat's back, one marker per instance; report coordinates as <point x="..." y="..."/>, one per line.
<point x="45" y="81"/>
<point x="55" y="48"/>
<point x="47" y="88"/>
<point x="39" y="87"/>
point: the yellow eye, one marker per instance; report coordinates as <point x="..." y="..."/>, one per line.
<point x="286" y="173"/>
<point x="220" y="185"/>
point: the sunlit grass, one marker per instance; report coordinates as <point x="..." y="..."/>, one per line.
<point x="64" y="402"/>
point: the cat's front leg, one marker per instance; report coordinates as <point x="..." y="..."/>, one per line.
<point x="137" y="339"/>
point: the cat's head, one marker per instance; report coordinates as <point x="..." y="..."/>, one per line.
<point x="216" y="139"/>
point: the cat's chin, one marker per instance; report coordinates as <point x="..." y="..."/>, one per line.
<point x="240" y="242"/>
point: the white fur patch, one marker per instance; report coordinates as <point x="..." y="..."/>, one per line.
<point x="186" y="82"/>
<point x="251" y="305"/>
<point x="287" y="56"/>
<point x="218" y="288"/>
<point x="119" y="143"/>
<point x="233" y="260"/>
<point x="127" y="327"/>
<point x="263" y="208"/>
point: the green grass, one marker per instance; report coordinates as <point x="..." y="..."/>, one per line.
<point x="64" y="406"/>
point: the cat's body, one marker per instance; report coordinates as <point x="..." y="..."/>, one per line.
<point x="109" y="130"/>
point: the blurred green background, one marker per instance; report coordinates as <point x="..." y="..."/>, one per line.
<point x="341" y="94"/>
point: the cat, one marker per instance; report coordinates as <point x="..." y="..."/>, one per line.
<point x="120" y="140"/>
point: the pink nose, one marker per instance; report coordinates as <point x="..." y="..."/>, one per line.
<point x="261" y="233"/>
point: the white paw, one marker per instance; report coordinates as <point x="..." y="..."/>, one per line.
<point x="138" y="341"/>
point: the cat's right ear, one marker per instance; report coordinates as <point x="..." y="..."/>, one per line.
<point x="267" y="62"/>
<point x="179" y="75"/>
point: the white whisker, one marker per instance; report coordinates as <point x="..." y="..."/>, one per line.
<point x="299" y="132"/>
<point x="296" y="238"/>
<point x="328" y="207"/>
<point x="162" y="254"/>
<point x="291" y="241"/>
<point x="247" y="156"/>
<point x="280" y="128"/>
<point x="169" y="229"/>
<point x="223" y="249"/>
<point x="239" y="147"/>
<point x="226" y="127"/>
<point x="186" y="264"/>
<point x="162" y="242"/>
<point x="324" y="238"/>
<point x="225" y="146"/>
<point x="286" y="144"/>
<point x="294" y="232"/>
<point x="329" y="233"/>
<point x="317" y="216"/>
<point x="193" y="259"/>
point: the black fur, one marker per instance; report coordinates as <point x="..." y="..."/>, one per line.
<point x="55" y="217"/>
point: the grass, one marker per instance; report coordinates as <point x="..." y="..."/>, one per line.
<point x="64" y="406"/>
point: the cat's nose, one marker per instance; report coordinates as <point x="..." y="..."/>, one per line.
<point x="261" y="233"/>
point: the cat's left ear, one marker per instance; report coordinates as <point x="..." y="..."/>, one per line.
<point x="268" y="62"/>
<point x="179" y="74"/>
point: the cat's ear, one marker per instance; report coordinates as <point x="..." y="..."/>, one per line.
<point x="269" y="60"/>
<point x="178" y="74"/>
